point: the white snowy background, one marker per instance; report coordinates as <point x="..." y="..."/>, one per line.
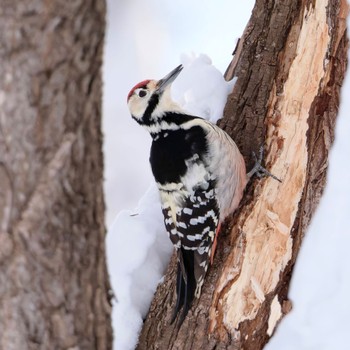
<point x="146" y="39"/>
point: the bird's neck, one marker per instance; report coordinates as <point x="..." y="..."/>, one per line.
<point x="168" y="122"/>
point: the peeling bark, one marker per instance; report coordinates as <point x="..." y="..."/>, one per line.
<point x="53" y="279"/>
<point x="290" y="65"/>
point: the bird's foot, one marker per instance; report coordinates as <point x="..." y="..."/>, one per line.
<point x="258" y="169"/>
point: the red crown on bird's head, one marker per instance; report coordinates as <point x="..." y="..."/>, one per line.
<point x="142" y="84"/>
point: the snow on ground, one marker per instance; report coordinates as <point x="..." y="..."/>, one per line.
<point x="138" y="247"/>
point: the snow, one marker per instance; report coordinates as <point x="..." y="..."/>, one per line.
<point x="137" y="245"/>
<point x="195" y="93"/>
<point x="138" y="250"/>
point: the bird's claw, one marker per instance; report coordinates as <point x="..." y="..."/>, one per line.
<point x="258" y="169"/>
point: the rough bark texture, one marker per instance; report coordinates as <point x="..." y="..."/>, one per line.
<point x="290" y="64"/>
<point x="54" y="287"/>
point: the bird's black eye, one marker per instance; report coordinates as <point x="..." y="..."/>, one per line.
<point x="142" y="93"/>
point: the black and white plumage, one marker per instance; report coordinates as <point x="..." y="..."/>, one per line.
<point x="200" y="174"/>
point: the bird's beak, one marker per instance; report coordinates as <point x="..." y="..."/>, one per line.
<point x="168" y="79"/>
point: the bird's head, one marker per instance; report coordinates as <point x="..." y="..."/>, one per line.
<point x="148" y="100"/>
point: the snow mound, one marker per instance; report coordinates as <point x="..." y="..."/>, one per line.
<point x="138" y="250"/>
<point x="201" y="88"/>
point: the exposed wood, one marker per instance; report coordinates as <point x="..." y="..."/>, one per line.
<point x="54" y="287"/>
<point x="268" y="224"/>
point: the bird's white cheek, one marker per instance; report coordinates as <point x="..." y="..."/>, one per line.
<point x="137" y="109"/>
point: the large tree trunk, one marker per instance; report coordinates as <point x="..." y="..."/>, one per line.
<point x="54" y="287"/>
<point x="290" y="65"/>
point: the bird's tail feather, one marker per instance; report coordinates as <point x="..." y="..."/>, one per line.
<point x="185" y="284"/>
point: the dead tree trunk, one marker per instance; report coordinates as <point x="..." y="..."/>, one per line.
<point x="290" y="65"/>
<point x="53" y="279"/>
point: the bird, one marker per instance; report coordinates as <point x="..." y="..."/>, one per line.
<point x="200" y="174"/>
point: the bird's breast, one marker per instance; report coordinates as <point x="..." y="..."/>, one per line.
<point x="171" y="150"/>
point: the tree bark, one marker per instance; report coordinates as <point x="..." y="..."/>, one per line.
<point x="290" y="65"/>
<point x="54" y="286"/>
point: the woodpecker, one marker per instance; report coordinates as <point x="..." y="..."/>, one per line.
<point x="200" y="174"/>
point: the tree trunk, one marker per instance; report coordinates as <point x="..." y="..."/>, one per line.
<point x="54" y="287"/>
<point x="290" y="65"/>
